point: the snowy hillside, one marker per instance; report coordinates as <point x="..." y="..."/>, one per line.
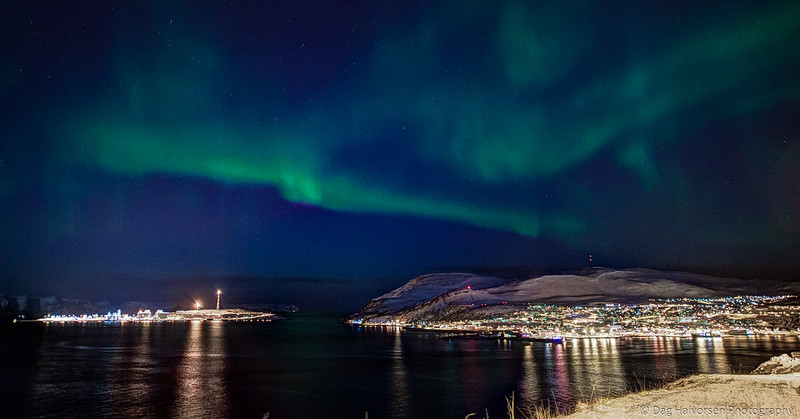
<point x="424" y="289"/>
<point x="450" y="295"/>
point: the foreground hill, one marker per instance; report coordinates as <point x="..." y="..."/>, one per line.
<point x="712" y="395"/>
<point x="462" y="296"/>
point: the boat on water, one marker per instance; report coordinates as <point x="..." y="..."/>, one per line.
<point x="740" y="332"/>
<point x="707" y="334"/>
<point x="503" y="336"/>
<point x="470" y="335"/>
<point x="549" y="339"/>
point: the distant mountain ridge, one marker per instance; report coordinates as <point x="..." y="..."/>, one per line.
<point x="461" y="295"/>
<point x="32" y="307"/>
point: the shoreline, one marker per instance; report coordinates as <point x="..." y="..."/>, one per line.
<point x="508" y="333"/>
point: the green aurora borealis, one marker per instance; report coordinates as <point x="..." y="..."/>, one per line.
<point x="660" y="135"/>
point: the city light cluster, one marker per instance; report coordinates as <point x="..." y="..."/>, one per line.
<point x="681" y="317"/>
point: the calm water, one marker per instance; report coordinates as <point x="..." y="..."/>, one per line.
<point x="314" y="367"/>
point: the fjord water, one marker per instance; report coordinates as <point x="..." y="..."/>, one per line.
<point x="315" y="367"/>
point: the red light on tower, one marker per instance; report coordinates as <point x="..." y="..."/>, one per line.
<point x="591" y="263"/>
<point x="469" y="287"/>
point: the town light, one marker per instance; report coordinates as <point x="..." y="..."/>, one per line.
<point x="197" y="305"/>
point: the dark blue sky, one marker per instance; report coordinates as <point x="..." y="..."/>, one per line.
<point x="339" y="149"/>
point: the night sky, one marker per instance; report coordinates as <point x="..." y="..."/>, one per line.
<point x="327" y="152"/>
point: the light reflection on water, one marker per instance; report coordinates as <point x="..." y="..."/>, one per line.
<point x="582" y="369"/>
<point x="201" y="388"/>
<point x="399" y="383"/>
<point x="529" y="387"/>
<point x="711" y="356"/>
<point x="315" y="368"/>
<point x="129" y="371"/>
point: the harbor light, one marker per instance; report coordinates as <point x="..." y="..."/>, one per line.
<point x="219" y="292"/>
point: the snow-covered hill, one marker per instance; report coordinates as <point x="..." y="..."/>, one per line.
<point x="460" y="295"/>
<point x="425" y="289"/>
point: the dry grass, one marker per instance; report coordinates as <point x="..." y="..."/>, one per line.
<point x="514" y="411"/>
<point x="546" y="410"/>
<point x="723" y="391"/>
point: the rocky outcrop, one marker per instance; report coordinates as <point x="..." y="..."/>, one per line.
<point x="783" y="364"/>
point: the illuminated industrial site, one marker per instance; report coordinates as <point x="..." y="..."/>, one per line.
<point x="146" y="315"/>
